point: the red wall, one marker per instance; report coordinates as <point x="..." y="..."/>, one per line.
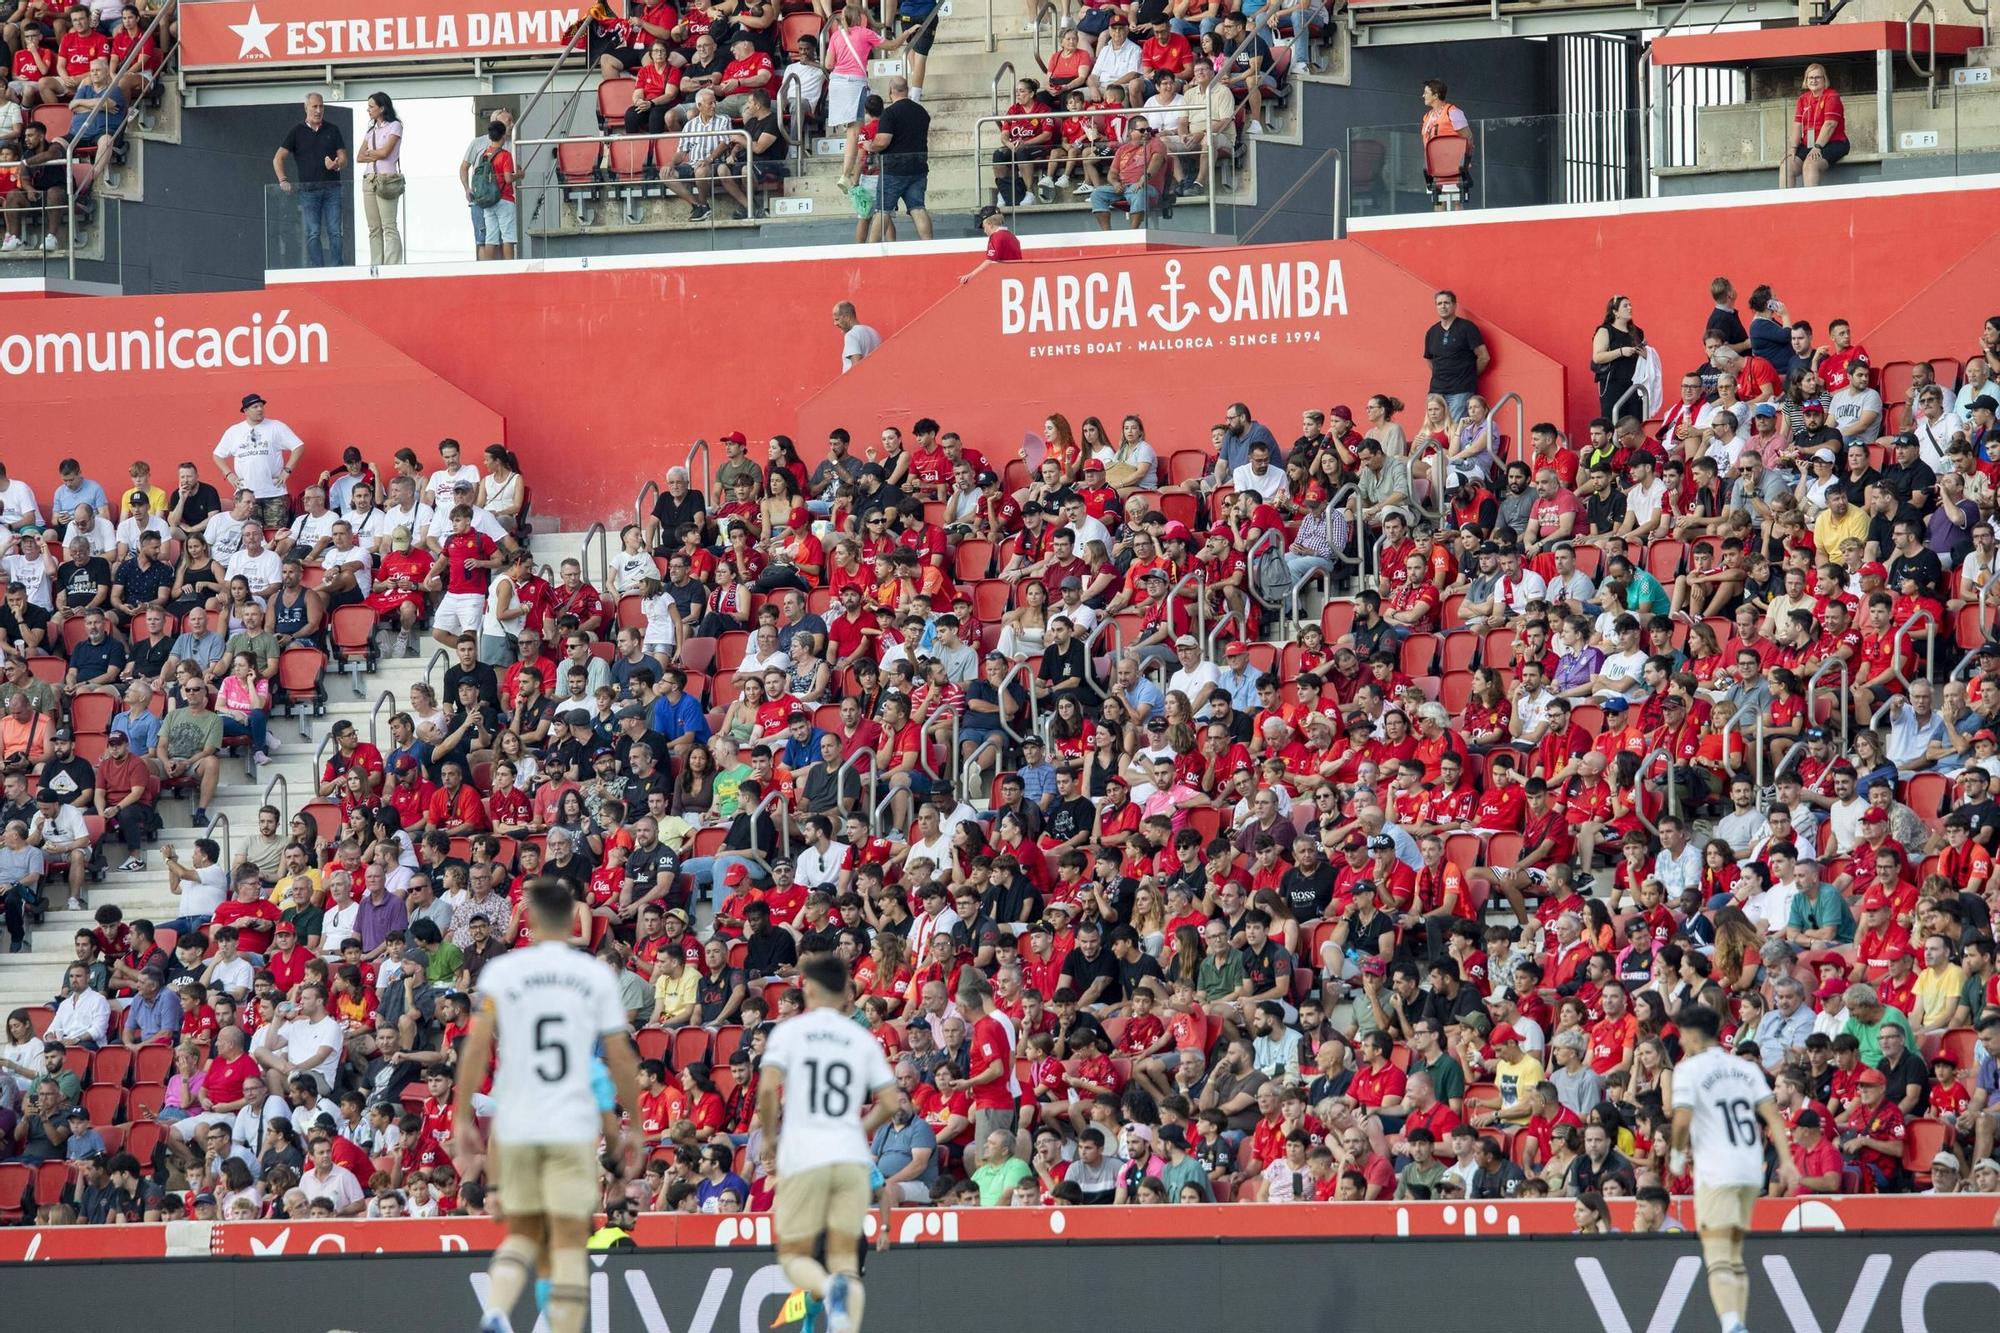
<point x="1179" y="337"/>
<point x="1862" y="259"/>
<point x="601" y="378"/>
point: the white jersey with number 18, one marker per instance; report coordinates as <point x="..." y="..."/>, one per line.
<point x="1724" y="1092"/>
<point x="831" y="1066"/>
<point x="550" y="1005"/>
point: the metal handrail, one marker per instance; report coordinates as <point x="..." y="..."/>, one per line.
<point x="1520" y="416"/>
<point x="1034" y="705"/>
<point x="847" y="766"/>
<point x="1435" y="482"/>
<point x="1790" y="759"/>
<point x="439" y="656"/>
<point x="1812" y="687"/>
<point x="1616" y="407"/>
<point x="1930" y="43"/>
<point x="218" y="830"/>
<point x="742" y="135"/>
<point x="1193" y="576"/>
<point x="1090" y="640"/>
<point x="700" y="448"/>
<point x="122" y="69"/>
<point x="598" y="531"/>
<point x="278" y="784"/>
<point x="1277" y="206"/>
<point x="386" y="697"/>
<point x="1967" y="660"/>
<point x="784" y="827"/>
<point x="1734" y="724"/>
<point x="640" y="510"/>
<point x="979" y="155"/>
<point x="1298" y="586"/>
<point x="1639" y="790"/>
<point x="1003" y="77"/>
<point x="1902" y="635"/>
<point x="319" y="765"/>
<point x="1047" y="8"/>
<point x="924" y="750"/>
<point x="562" y="117"/>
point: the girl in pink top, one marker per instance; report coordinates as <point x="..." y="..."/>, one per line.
<point x="245" y="702"/>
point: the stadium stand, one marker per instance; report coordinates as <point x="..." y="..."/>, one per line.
<point x="1342" y="818"/>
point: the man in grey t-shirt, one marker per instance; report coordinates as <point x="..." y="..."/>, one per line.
<point x="473" y="152"/>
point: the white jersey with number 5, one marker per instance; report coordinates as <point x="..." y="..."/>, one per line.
<point x="1727" y="1139"/>
<point x="550" y="1004"/>
<point x="831" y="1066"/>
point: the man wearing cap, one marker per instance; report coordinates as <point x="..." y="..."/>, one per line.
<point x="1194" y="676"/>
<point x="1872" y="1133"/>
<point x="258" y="454"/>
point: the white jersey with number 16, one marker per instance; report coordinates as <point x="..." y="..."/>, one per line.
<point x="831" y="1066"/>
<point x="1724" y="1092"/>
<point x="550" y="1005"/>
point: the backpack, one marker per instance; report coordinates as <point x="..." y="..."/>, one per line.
<point x="1271" y="580"/>
<point x="485" y="181"/>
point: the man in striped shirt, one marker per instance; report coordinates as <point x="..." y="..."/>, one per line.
<point x="703" y="152"/>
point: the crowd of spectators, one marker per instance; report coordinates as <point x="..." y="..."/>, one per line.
<point x="1150" y="895"/>
<point x="73" y="76"/>
<point x="1179" y="80"/>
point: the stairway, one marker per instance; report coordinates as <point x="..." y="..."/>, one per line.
<point x="33" y="978"/>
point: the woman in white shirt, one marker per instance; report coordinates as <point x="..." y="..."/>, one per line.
<point x="502" y="490"/>
<point x="763" y="651"/>
<point x="21" y="1053"/>
<point x="1131" y="451"/>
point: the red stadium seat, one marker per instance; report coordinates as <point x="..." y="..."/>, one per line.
<point x="154" y="1064"/>
<point x="613" y="96"/>
<point x="143" y="1139"/>
<point x="690" y="1047"/>
<point x="105" y="1102"/>
<point x="352" y="630"/>
<point x="110" y="1065"/>
<point x="91" y="714"/>
<point x="794" y="26"/>
<point x="17" y="1184"/>
<point x="299" y="673"/>
<point x="1923" y="1139"/>
<point x="147" y="1099"/>
<point x="654" y="1044"/>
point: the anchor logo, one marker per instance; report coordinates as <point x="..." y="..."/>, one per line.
<point x="1174" y="316"/>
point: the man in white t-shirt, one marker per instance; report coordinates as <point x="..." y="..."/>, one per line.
<point x="224" y="530"/>
<point x="1518" y="585"/>
<point x="311" y="531"/>
<point x="18" y="505"/>
<point x="327" y="1179"/>
<point x="1196" y="677"/>
<point x="200" y="883"/>
<point x="1619" y="673"/>
<point x="1719" y="1098"/>
<point x="857" y="340"/>
<point x="257" y="563"/>
<point x="313" y="1044"/>
<point x="1645" y="499"/>
<point x="444" y="482"/>
<point x="259" y="454"/>
<point x="405" y="510"/>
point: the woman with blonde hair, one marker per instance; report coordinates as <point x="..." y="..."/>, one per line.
<point x="1819" y="132"/>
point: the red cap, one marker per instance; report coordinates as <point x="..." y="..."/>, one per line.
<point x="1898" y="953"/>
<point x="1237" y="649"/>
<point x="1343" y="411"/>
<point x="1875" y="901"/>
<point x="1175" y="531"/>
<point x="736" y="874"/>
<point x="1504" y="1034"/>
<point x="1873" y="1078"/>
<point x="800" y="517"/>
<point x="734" y="437"/>
<point x="1875" y="815"/>
<point x="1875" y="568"/>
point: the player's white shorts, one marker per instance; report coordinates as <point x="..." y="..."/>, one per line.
<point x="559" y="1179"/>
<point x="830" y="1199"/>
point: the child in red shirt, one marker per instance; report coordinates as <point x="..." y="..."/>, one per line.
<point x="1949" y="1094"/>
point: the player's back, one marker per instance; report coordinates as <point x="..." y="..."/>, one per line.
<point x="551" y="1004"/>
<point x="1723" y="1092"/>
<point x="831" y="1064"/>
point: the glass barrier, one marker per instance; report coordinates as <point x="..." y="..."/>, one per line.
<point x="1511" y="162"/>
<point x="1720" y="148"/>
<point x="84" y="241"/>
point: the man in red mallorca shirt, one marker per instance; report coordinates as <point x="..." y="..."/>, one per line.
<point x="748" y="71"/>
<point x="79" y="46"/>
<point x="991" y="1060"/>
<point x="455" y="808"/>
<point x="1026" y="136"/>
<point x="463" y="570"/>
<point x="1002" y="246"/>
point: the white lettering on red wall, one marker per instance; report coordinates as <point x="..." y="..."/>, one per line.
<point x="1191" y="306"/>
<point x="404" y="34"/>
<point x="276" y="342"/>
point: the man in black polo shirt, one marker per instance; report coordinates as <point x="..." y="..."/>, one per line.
<point x="1457" y="353"/>
<point x="1091" y="971"/>
<point x="1136" y="967"/>
<point x="318" y="153"/>
<point x="1908" y="477"/>
<point x="1266" y="963"/>
<point x="769" y="951"/>
<point x="1914" y="561"/>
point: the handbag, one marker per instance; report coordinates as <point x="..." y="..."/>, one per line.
<point x="388" y="184"/>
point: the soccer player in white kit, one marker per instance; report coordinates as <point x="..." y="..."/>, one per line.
<point x="1718" y="1099"/>
<point x="548" y="1007"/>
<point x="821" y="1067"/>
